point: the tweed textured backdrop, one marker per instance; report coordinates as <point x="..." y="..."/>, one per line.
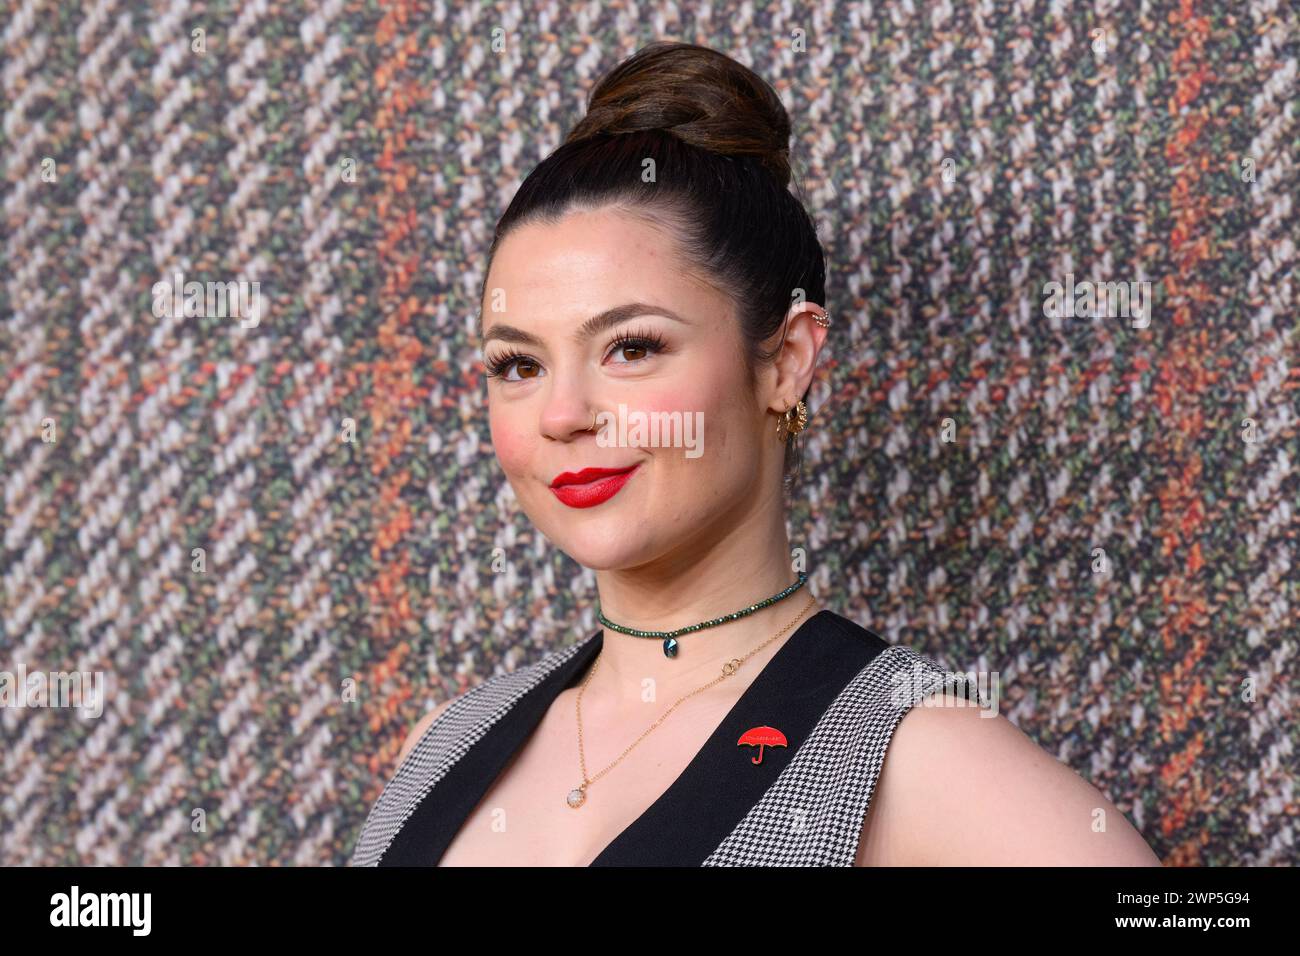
<point x="1103" y="512"/>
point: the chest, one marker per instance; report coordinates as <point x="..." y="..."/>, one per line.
<point x="523" y="818"/>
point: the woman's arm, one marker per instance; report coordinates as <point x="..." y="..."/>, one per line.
<point x="960" y="789"/>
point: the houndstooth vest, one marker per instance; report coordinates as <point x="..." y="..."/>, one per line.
<point x="838" y="689"/>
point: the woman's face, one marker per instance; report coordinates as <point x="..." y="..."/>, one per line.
<point x="695" y="472"/>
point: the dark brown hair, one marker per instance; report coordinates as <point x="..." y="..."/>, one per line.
<point x="720" y="140"/>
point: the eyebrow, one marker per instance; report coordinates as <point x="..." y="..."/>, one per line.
<point x="592" y="327"/>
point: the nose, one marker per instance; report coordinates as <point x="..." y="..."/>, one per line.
<point x="567" y="413"/>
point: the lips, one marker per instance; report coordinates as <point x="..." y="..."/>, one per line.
<point x="591" y="486"/>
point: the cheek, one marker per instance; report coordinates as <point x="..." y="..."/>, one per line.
<point x="698" y="387"/>
<point x="721" y="417"/>
<point x="512" y="444"/>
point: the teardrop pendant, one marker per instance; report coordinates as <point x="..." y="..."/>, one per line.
<point x="670" y="647"/>
<point x="577" y="797"/>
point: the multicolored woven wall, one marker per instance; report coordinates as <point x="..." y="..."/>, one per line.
<point x="1102" y="508"/>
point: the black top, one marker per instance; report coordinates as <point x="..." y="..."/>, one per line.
<point x="717" y="788"/>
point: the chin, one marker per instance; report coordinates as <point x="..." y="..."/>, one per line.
<point x="598" y="543"/>
<point x="597" y="558"/>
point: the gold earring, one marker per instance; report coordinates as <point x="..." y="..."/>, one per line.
<point x="793" y="421"/>
<point x="823" y="320"/>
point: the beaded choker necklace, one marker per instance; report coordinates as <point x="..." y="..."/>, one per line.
<point x="670" y="637"/>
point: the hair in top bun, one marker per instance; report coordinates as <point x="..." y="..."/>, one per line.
<point x="719" y="137"/>
<point x="701" y="96"/>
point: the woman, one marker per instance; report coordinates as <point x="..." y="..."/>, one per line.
<point x="655" y="268"/>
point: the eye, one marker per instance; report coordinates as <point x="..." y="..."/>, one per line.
<point x="498" y="367"/>
<point x="638" y="342"/>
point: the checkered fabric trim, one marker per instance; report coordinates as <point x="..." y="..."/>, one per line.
<point x="447" y="739"/>
<point x="812" y="814"/>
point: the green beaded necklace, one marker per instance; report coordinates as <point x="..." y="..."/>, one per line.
<point x="670" y="637"/>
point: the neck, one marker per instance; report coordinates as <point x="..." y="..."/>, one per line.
<point x="688" y="589"/>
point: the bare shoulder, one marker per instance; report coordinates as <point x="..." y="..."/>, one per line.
<point x="961" y="789"/>
<point x="420" y="727"/>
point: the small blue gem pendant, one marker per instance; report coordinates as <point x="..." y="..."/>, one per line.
<point x="669" y="637"/>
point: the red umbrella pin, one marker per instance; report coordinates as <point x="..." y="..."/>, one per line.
<point x="761" y="737"/>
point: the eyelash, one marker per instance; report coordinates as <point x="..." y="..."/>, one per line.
<point x="650" y="341"/>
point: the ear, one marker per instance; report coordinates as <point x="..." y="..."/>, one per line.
<point x="793" y="369"/>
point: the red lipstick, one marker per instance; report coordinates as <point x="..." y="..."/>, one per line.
<point x="591" y="486"/>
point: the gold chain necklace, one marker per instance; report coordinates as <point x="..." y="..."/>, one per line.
<point x="578" y="795"/>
